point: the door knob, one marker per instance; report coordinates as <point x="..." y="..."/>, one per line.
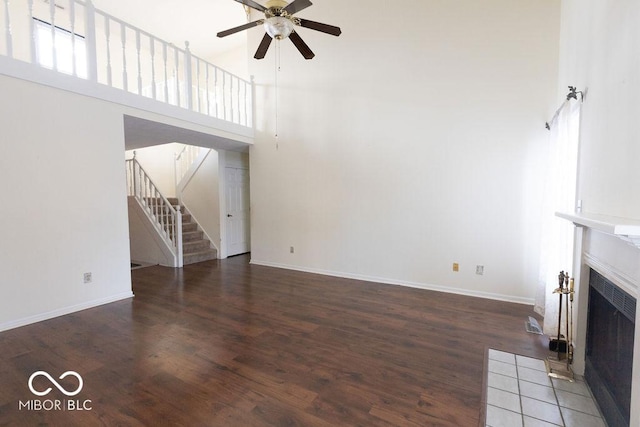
<point x="229" y="215"/>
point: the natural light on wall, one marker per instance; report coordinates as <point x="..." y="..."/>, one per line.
<point x="57" y="49"/>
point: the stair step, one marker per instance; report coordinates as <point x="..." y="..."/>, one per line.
<point x="173" y="200"/>
<point x="195" y="246"/>
<point x="190" y="236"/>
<point x="200" y="256"/>
<point x="189" y="227"/>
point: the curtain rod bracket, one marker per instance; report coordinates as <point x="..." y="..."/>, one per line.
<point x="573" y="94"/>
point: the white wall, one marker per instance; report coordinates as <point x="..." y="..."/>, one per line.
<point x="234" y="61"/>
<point x="599" y="51"/>
<point x="409" y="143"/>
<point x="600" y="55"/>
<point x="145" y="244"/>
<point x="201" y="196"/>
<point x="65" y="213"/>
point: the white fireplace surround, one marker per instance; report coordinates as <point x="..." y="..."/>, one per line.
<point x="611" y="246"/>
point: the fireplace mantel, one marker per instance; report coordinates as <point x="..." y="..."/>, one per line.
<point x="626" y="229"/>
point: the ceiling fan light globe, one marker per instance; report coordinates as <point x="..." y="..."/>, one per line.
<point x="278" y="27"/>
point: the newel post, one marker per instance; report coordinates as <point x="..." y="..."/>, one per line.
<point x="180" y="251"/>
<point x="188" y="77"/>
<point x="90" y="41"/>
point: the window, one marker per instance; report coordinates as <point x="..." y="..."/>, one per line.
<point x="65" y="45"/>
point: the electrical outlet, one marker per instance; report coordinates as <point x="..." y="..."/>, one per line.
<point x="456" y="267"/>
<point x="88" y="278"/>
<point x="291" y="250"/>
<point x="479" y="270"/>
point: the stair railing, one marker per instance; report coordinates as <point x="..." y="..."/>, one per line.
<point x="90" y="44"/>
<point x="166" y="219"/>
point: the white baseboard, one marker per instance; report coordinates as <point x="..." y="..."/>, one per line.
<point x="63" y="311"/>
<point x="387" y="281"/>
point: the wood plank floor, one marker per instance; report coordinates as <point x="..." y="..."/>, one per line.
<point x="226" y="343"/>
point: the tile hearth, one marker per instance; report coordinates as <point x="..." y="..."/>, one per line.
<point x="520" y="393"/>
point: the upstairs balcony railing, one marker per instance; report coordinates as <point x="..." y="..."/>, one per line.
<point x="75" y="38"/>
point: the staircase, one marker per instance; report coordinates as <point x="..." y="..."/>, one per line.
<point x="195" y="246"/>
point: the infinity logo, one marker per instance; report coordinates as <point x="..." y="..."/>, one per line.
<point x="55" y="383"/>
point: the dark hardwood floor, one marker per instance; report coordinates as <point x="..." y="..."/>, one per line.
<point x="225" y="343"/>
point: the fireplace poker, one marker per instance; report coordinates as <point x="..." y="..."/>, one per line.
<point x="566" y="316"/>
<point x="560" y="291"/>
<point x="570" y="334"/>
<point x="562" y="277"/>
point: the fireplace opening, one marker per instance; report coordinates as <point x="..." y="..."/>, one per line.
<point x="609" y="350"/>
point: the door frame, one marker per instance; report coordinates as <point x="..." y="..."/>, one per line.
<point x="236" y="160"/>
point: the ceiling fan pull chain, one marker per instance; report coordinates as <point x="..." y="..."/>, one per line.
<point x="277" y="71"/>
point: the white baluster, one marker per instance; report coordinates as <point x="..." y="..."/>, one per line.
<point x="198" y="86"/>
<point x="215" y="91"/>
<point x="7" y="29"/>
<point x="32" y="31"/>
<point x="248" y="90"/>
<point x="188" y="77"/>
<point x="107" y="33"/>
<point x="176" y="74"/>
<point x="154" y="202"/>
<point x="238" y="101"/>
<point x="152" y="49"/>
<point x="207" y="96"/>
<point x="231" y="96"/>
<point x="123" y="39"/>
<point x="147" y="193"/>
<point x="90" y="41"/>
<point x="52" y="19"/>
<point x="166" y="77"/>
<point x="72" y="18"/>
<point x="224" y="95"/>
<point x="139" y="64"/>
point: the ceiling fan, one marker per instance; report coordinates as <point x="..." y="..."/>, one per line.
<point x="279" y="23"/>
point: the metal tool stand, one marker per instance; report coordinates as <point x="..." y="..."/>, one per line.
<point x="559" y="364"/>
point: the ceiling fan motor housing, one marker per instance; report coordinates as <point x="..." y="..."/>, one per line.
<point x="279" y="23"/>
<point x="276" y="4"/>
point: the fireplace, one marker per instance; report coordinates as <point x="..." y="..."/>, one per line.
<point x="609" y="348"/>
<point x="607" y="282"/>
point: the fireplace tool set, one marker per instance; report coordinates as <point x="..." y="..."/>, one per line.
<point x="559" y="363"/>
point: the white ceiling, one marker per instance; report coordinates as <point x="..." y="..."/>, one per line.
<point x="177" y="21"/>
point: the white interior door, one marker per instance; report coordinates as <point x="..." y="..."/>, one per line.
<point x="237" y="199"/>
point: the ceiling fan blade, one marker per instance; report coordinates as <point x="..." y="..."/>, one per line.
<point x="318" y="26"/>
<point x="296" y="6"/>
<point x="264" y="47"/>
<point x="301" y="45"/>
<point x="240" y="28"/>
<point x="253" y="5"/>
